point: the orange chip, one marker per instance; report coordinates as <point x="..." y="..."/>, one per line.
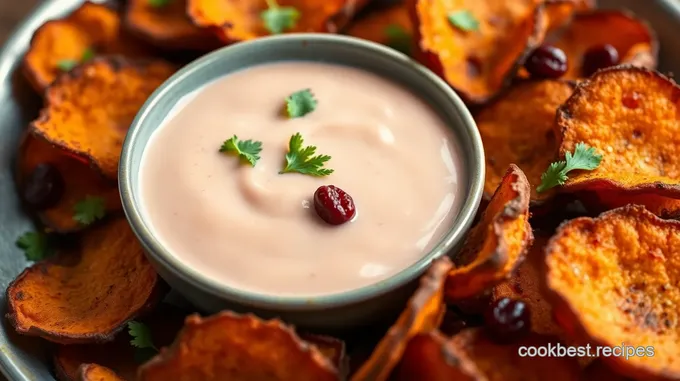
<point x="59" y="44"/>
<point x="89" y="110"/>
<point x="472" y="356"/>
<point x="332" y="348"/>
<point x="88" y="293"/>
<point x="391" y="27"/>
<point x="601" y="201"/>
<point x="243" y="20"/>
<point x="615" y="279"/>
<point x="238" y="348"/>
<point x="423" y="313"/>
<point x="518" y="128"/>
<point x="527" y="284"/>
<point x="497" y="244"/>
<point x="119" y="355"/>
<point x="477" y="61"/>
<point x="94" y="372"/>
<point x="167" y="26"/>
<point x="632" y="38"/>
<point x="629" y="115"/>
<point x="79" y="180"/>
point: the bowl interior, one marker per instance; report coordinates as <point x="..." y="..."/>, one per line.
<point x="303" y="47"/>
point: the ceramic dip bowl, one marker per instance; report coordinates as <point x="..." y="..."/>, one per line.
<point x="328" y="311"/>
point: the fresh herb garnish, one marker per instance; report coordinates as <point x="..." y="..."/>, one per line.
<point x="247" y="150"/>
<point x="300" y="103"/>
<point x="34" y="245"/>
<point x="584" y="158"/>
<point x="302" y="160"/>
<point x="89" y="210"/>
<point x="142" y="341"/>
<point x="278" y="19"/>
<point x="398" y="38"/>
<point x="463" y="20"/>
<point x="69" y="64"/>
<point x="158" y="3"/>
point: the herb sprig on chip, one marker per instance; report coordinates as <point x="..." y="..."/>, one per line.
<point x="89" y="210"/>
<point x="35" y="245"/>
<point x="278" y="19"/>
<point x="583" y="158"/>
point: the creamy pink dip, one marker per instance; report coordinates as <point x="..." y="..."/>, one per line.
<point x="254" y="229"/>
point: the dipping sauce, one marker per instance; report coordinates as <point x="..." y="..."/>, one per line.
<point x="254" y="229"/>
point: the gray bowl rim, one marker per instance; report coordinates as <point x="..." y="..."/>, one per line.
<point x="194" y="278"/>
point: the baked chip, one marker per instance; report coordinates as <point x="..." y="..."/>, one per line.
<point x="245" y="20"/>
<point x="423" y="313"/>
<point x="391" y="27"/>
<point x="94" y="372"/>
<point x="89" y="110"/>
<point x="497" y="244"/>
<point x="59" y="45"/>
<point x="472" y="356"/>
<point x="227" y="346"/>
<point x="518" y="129"/>
<point x="615" y="280"/>
<point x="79" y="180"/>
<point x="630" y="116"/>
<point x="167" y="26"/>
<point x="332" y="348"/>
<point x="119" y="355"/>
<point x="477" y="46"/>
<point x="88" y="293"/>
<point x="527" y="284"/>
<point x="634" y="40"/>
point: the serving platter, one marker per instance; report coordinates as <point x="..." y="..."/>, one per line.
<point x="23" y="358"/>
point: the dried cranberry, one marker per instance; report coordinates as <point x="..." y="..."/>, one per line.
<point x="632" y="100"/>
<point x="508" y="319"/>
<point x="333" y="205"/>
<point x="43" y="187"/>
<point x="546" y="62"/>
<point x="599" y="57"/>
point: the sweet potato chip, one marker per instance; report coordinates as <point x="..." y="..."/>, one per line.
<point x="472" y="356"/>
<point x="238" y="348"/>
<point x="58" y="45"/>
<point x="600" y="201"/>
<point x="477" y="46"/>
<point x="119" y="355"/>
<point x="497" y="244"/>
<point x="242" y="20"/>
<point x="423" y="313"/>
<point x="94" y="372"/>
<point x="633" y="39"/>
<point x="615" y="279"/>
<point x="80" y="181"/>
<point x="391" y="27"/>
<point x="526" y="284"/>
<point x="518" y="129"/>
<point x="89" y="110"/>
<point x="167" y="26"/>
<point x="629" y="115"/>
<point x="333" y="349"/>
<point x="86" y="294"/>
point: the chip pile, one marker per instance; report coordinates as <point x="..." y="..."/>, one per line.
<point x="598" y="133"/>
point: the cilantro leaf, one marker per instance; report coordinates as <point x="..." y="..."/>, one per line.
<point x="158" y="3"/>
<point x="302" y="160"/>
<point x="68" y="64"/>
<point x="278" y="19"/>
<point x="247" y="150"/>
<point x="584" y="158"/>
<point x="141" y="335"/>
<point x="300" y="103"/>
<point x="398" y="38"/>
<point x="35" y="245"/>
<point x="89" y="210"/>
<point x="463" y="20"/>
